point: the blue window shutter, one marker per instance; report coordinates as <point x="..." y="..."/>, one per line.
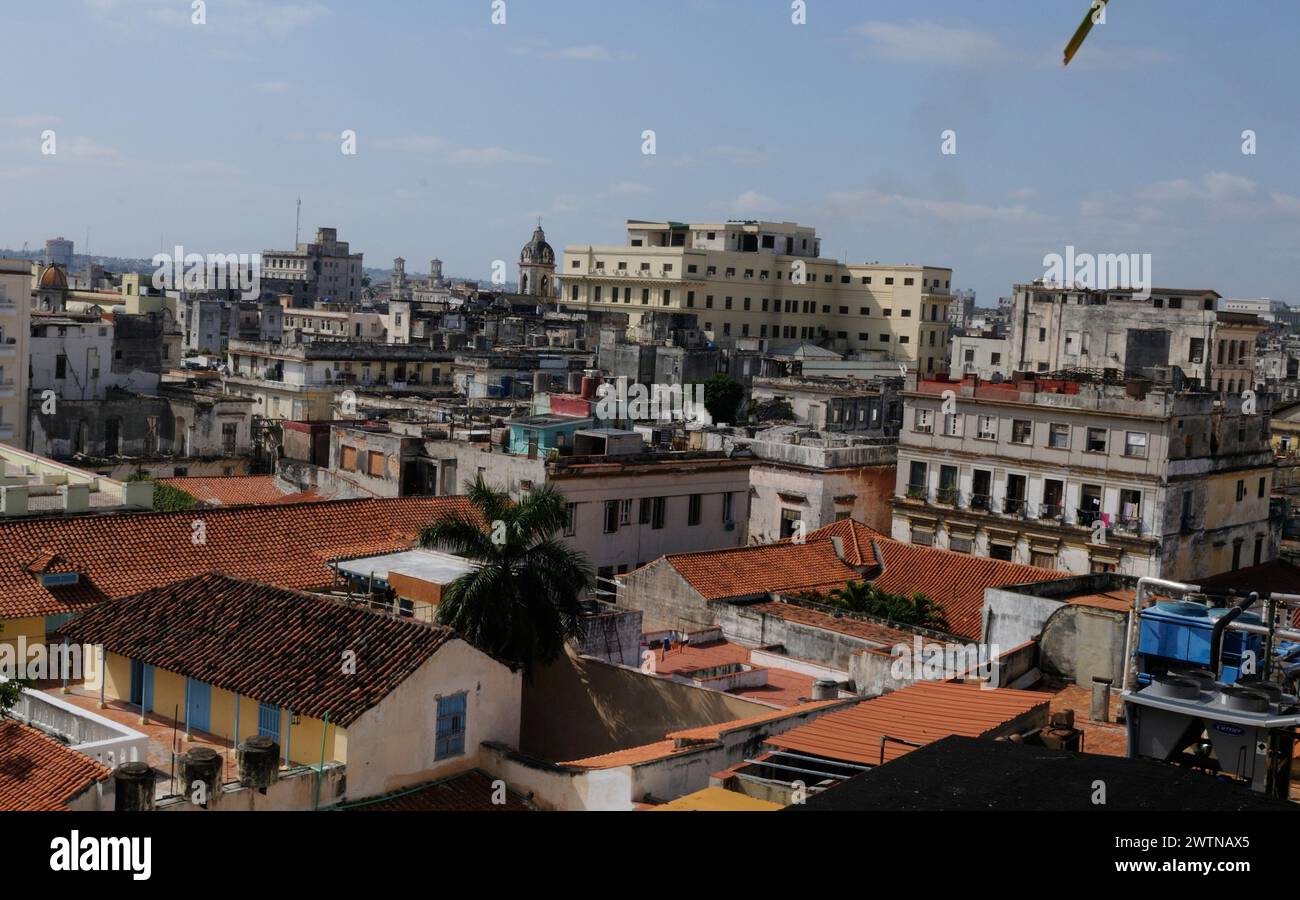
<point x="451" y="727"/>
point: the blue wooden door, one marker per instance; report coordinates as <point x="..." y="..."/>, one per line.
<point x="141" y="685"/>
<point x="200" y="706"/>
<point x="268" y="721"/>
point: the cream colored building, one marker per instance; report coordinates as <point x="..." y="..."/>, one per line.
<point x="765" y="280"/>
<point x="15" y="329"/>
<point x="1025" y="470"/>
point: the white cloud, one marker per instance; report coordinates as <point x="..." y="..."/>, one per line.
<point x="750" y="203"/>
<point x="748" y="156"/>
<point x="251" y="18"/>
<point x="931" y="42"/>
<point x="936" y="43"/>
<point x="630" y="189"/>
<point x="446" y="152"/>
<point x="945" y="211"/>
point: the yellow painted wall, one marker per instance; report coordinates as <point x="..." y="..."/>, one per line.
<point x="117" y="677"/>
<point x="32" y="629"/>
<point x="169" y="696"/>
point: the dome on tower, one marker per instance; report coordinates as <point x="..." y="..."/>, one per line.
<point x="537" y="251"/>
<point x="53" y="279"/>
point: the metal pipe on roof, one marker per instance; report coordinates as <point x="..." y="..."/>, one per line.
<point x="773" y="765"/>
<point x="1139" y="597"/>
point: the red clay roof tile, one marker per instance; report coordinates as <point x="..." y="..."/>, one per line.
<point x="956" y="581"/>
<point x="273" y="645"/>
<point x="754" y="571"/>
<point x="239" y="490"/>
<point x="38" y="774"/>
<point x="470" y="791"/>
<point x="125" y="553"/>
<point x="921" y="713"/>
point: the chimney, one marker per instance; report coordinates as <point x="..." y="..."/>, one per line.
<point x="1100" y="699"/>
<point x="133" y="787"/>
<point x="588" y="387"/>
<point x="825" y="689"/>
<point x="201" y="764"/>
<point x="259" y="762"/>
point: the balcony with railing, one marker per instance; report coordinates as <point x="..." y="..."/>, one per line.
<point x="982" y="502"/>
<point x="1015" y="506"/>
<point x="917" y="492"/>
<point x="948" y="496"/>
<point x="110" y="743"/>
<point x="1127" y="524"/>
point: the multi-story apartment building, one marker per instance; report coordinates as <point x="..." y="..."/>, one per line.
<point x="1087" y="475"/>
<point x="15" y="318"/>
<point x="872" y="409"/>
<point x="303" y="381"/>
<point x="985" y="355"/>
<point x="628" y="504"/>
<point x="324" y="269"/>
<point x="1056" y="328"/>
<point x="765" y="280"/>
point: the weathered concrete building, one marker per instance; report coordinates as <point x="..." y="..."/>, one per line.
<point x="872" y="409"/>
<point x="801" y="481"/>
<point x="173" y="421"/>
<point x="1059" y="328"/>
<point x="980" y="354"/>
<point x="1089" y="476"/>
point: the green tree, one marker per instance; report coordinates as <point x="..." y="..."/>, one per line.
<point x="523" y="599"/>
<point x="864" y="597"/>
<point x="722" y="396"/>
<point x="10" y="692"/>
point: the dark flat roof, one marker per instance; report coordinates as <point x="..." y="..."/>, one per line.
<point x="963" y="773"/>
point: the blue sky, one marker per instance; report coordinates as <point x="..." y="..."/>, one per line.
<point x="168" y="132"/>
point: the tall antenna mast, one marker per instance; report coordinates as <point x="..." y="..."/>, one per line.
<point x="297" y="222"/>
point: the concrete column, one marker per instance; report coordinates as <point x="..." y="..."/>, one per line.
<point x="1101" y="699"/>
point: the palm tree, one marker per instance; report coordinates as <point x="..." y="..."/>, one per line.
<point x="523" y="599"/>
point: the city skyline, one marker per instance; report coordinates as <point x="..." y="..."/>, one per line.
<point x="846" y="133"/>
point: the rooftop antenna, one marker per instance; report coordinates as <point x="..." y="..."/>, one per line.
<point x="297" y="222"/>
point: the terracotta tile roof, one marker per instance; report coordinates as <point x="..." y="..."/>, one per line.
<point x="630" y="757"/>
<point x="856" y="539"/>
<point x="882" y="635"/>
<point x="692" y="739"/>
<point x="753" y="571"/>
<point x="956" y="581"/>
<point x="1117" y="601"/>
<point x="273" y="645"/>
<point x="715" y="732"/>
<point x="37" y="773"/>
<point x="470" y="791"/>
<point x="784" y="687"/>
<point x="921" y="713"/>
<point x="239" y="490"/>
<point x="126" y="553"/>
